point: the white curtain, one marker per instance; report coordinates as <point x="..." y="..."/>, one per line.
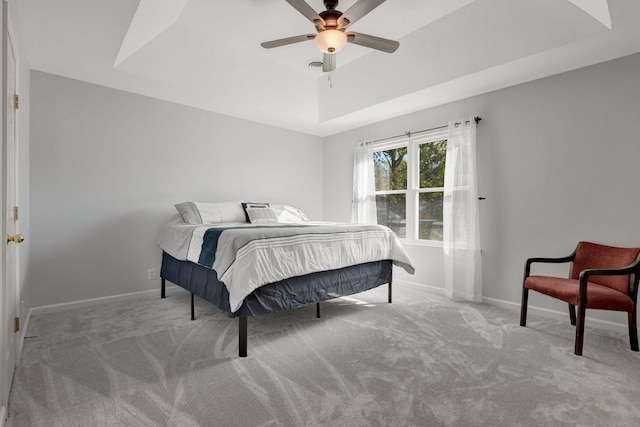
<point x="461" y="234"/>
<point x="363" y="209"/>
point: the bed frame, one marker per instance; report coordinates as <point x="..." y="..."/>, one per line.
<point x="277" y="296"/>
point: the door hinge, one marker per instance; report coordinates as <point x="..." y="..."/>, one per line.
<point x="16" y="213"/>
<point x="16" y="101"/>
<point x="16" y="324"/>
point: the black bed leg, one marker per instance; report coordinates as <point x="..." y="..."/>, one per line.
<point x="193" y="309"/>
<point x="242" y="336"/>
<point x="389" y="292"/>
<point x="318" y="310"/>
<point x="162" y="288"/>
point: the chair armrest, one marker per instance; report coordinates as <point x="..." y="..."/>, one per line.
<point x="623" y="271"/>
<point x="529" y="261"/>
<point x="608" y="271"/>
<point x="567" y="258"/>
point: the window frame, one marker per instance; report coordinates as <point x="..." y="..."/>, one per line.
<point x="413" y="191"/>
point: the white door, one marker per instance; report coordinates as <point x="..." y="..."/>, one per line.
<point x="10" y="290"/>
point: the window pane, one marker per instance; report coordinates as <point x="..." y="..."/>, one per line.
<point x="430" y="215"/>
<point x="432" y="157"/>
<point x="392" y="212"/>
<point x="391" y="169"/>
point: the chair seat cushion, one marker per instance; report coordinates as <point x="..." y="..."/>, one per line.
<point x="598" y="296"/>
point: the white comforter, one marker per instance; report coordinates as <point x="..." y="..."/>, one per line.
<point x="249" y="256"/>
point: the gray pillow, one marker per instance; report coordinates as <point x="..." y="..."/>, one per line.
<point x="262" y="215"/>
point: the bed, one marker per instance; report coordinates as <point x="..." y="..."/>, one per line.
<point x="253" y="259"/>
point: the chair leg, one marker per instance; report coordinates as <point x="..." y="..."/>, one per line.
<point x="572" y="314"/>
<point x="633" y="330"/>
<point x="580" y="329"/>
<point x="523" y="306"/>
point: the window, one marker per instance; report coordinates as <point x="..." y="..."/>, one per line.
<point x="409" y="179"/>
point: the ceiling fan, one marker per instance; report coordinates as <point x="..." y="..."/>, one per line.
<point x="331" y="25"/>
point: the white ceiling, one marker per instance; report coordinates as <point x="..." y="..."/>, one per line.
<point x="207" y="54"/>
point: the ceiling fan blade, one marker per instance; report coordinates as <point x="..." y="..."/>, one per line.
<point x="373" y="42"/>
<point x="329" y="62"/>
<point x="288" y="40"/>
<point x="357" y="11"/>
<point x="302" y="7"/>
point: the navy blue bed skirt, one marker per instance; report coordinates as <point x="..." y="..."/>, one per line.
<point x="284" y="295"/>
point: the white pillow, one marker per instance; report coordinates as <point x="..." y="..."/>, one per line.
<point x="210" y="213"/>
<point x="288" y="213"/>
<point x="262" y="215"/>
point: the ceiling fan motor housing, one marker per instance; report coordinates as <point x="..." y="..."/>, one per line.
<point x="330" y="17"/>
<point x="330" y="4"/>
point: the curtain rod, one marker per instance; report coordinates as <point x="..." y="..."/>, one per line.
<point x="409" y="133"/>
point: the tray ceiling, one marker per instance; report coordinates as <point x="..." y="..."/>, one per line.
<point x="207" y="54"/>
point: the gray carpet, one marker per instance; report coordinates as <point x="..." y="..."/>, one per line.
<point x="423" y="360"/>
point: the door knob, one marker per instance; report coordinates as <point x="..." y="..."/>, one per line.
<point x="16" y="238"/>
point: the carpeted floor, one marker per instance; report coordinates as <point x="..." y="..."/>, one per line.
<point x="423" y="360"/>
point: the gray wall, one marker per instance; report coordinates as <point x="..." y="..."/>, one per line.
<point x="557" y="160"/>
<point x="107" y="167"/>
<point x="558" y="163"/>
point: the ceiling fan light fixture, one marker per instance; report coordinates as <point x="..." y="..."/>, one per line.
<point x="331" y="41"/>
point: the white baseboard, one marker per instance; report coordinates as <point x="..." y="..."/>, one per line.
<point x="3" y="415"/>
<point x="557" y="315"/>
<point x="563" y="316"/>
<point x="153" y="293"/>
<point x="174" y="289"/>
<point x="435" y="289"/>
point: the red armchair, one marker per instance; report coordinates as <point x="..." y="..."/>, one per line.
<point x="601" y="277"/>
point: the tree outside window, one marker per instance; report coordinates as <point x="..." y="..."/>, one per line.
<point x="431" y="189"/>
<point x="409" y="178"/>
<point x="390" y="168"/>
